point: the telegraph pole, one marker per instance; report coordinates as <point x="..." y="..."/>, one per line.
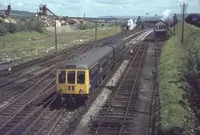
<point x="95" y="30"/>
<point x="56" y="37"/>
<point x="183" y="8"/>
<point x="174" y="20"/>
<point x="146" y="17"/>
<point x="115" y="27"/>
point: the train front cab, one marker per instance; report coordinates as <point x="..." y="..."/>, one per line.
<point x="73" y="83"/>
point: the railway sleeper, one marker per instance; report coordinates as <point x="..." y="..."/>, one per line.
<point x="121" y="99"/>
<point x="7" y="113"/>
<point x="113" y="113"/>
<point x="126" y="86"/>
<point x="106" y="132"/>
<point x="118" y="107"/>
<point x="118" y="104"/>
<point x="123" y="94"/>
<point x="113" y="123"/>
<point x="129" y="79"/>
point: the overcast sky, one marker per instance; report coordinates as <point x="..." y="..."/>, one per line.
<point x="96" y="8"/>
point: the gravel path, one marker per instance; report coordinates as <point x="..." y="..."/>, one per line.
<point x="141" y="120"/>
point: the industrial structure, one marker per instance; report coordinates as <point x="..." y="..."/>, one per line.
<point x="160" y="30"/>
<point x="7" y="12"/>
<point x="5" y="16"/>
<point x="50" y="18"/>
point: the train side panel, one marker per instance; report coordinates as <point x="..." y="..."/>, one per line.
<point x="99" y="72"/>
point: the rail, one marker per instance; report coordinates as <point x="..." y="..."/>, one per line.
<point x="32" y="114"/>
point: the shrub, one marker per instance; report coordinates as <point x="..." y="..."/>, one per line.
<point x="13" y="28"/>
<point x="85" y="26"/>
<point x="39" y="27"/>
<point x="35" y="25"/>
<point x="32" y="25"/>
<point x="3" y="30"/>
<point x="81" y="26"/>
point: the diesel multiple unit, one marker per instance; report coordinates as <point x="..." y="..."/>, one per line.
<point x="79" y="76"/>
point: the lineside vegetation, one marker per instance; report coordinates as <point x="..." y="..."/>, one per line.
<point x="32" y="25"/>
<point x="179" y="79"/>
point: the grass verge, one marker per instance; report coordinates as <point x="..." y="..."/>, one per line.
<point x="26" y="45"/>
<point x="176" y="111"/>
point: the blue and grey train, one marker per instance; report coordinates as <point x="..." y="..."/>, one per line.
<point x="79" y="76"/>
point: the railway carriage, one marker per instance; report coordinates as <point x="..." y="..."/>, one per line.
<point x="79" y="76"/>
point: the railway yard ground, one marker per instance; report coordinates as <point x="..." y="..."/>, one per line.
<point x="143" y="94"/>
<point x="22" y="100"/>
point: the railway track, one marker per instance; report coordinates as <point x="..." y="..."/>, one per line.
<point x="44" y="121"/>
<point x="20" y="111"/>
<point x="117" y="114"/>
<point x="34" y="119"/>
<point x="53" y="123"/>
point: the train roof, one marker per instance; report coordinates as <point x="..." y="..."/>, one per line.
<point x="88" y="59"/>
<point x="160" y="23"/>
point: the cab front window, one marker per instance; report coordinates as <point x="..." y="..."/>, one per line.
<point x="71" y="77"/>
<point x="81" y="77"/>
<point x="61" y="76"/>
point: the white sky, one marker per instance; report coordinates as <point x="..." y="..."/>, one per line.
<point x="96" y="8"/>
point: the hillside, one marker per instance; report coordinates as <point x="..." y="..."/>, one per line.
<point x="16" y="14"/>
<point x="178" y="72"/>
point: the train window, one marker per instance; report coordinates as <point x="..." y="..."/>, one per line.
<point x="81" y="77"/>
<point x="95" y="71"/>
<point x="61" y="76"/>
<point x="71" y="77"/>
<point x="105" y="63"/>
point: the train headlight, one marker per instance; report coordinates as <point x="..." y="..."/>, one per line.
<point x="60" y="90"/>
<point x="81" y="91"/>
